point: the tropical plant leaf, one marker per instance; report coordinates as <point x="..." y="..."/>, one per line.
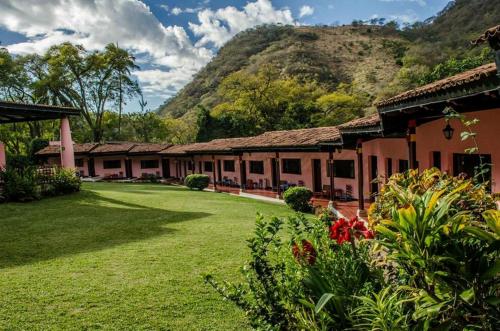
<point x="323" y="301"/>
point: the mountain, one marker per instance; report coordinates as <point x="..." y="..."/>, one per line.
<point x="328" y="55"/>
<point x="369" y="56"/>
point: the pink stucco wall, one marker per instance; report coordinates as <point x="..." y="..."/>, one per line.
<point x="101" y="172"/>
<point x="266" y="179"/>
<point x="175" y="162"/>
<point x="384" y="148"/>
<point x="430" y="138"/>
<point x="83" y="171"/>
<point x="138" y="172"/>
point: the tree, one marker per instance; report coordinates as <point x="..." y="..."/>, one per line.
<point x="91" y="81"/>
<point x="339" y="107"/>
<point x="254" y="103"/>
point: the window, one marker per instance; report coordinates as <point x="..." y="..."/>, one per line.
<point x="291" y="166"/>
<point x="257" y="167"/>
<point x="403" y="165"/>
<point x="149" y="164"/>
<point x="79" y="163"/>
<point x="344" y="168"/>
<point x="389" y="167"/>
<point x="229" y="165"/>
<point x="112" y="164"/>
<point x="208" y="166"/>
<point x="436" y="160"/>
<point x="469" y="164"/>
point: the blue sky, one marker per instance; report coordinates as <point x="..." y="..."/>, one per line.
<point x="173" y="39"/>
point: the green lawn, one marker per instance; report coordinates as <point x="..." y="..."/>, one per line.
<point x="124" y="256"/>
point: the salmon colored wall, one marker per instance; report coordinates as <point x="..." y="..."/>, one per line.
<point x="306" y="168"/>
<point x="83" y="171"/>
<point x="174" y="162"/>
<point x="267" y="176"/>
<point x="101" y="172"/>
<point x="430" y="138"/>
<point x="383" y="148"/>
<point x="234" y="176"/>
<point x="136" y="166"/>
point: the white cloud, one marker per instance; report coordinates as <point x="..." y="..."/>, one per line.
<point x="167" y="52"/>
<point x="176" y="11"/>
<point x="306" y="11"/>
<point x="217" y="27"/>
<point x="409" y="17"/>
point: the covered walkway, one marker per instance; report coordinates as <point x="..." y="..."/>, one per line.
<point x="13" y="112"/>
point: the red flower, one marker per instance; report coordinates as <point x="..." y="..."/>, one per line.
<point x="341" y="230"/>
<point x="306" y="253"/>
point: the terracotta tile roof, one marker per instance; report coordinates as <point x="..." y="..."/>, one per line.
<point x="56" y="149"/>
<point x="216" y="145"/>
<point x="113" y="148"/>
<point x="488" y="35"/>
<point x="176" y="149"/>
<point x="470" y="76"/>
<point x="148" y="148"/>
<point x="363" y="122"/>
<point x="291" y="138"/>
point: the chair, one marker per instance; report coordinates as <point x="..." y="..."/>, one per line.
<point x="326" y="190"/>
<point x="261" y="184"/>
<point x="249" y="184"/>
<point x="347" y="195"/>
<point x="301" y="183"/>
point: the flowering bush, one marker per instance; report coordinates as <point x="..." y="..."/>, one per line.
<point x="284" y="281"/>
<point x="433" y="264"/>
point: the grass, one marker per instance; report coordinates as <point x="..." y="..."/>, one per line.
<point x="124" y="256"/>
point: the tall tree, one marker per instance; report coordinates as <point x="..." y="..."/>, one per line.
<point x="91" y="81"/>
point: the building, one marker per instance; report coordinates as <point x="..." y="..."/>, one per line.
<point x="411" y="130"/>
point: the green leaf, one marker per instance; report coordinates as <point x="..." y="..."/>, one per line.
<point x="493" y="300"/>
<point x="480" y="234"/>
<point x="322" y="302"/>
<point x="468" y="295"/>
<point x="492" y="272"/>
<point x="492" y="218"/>
<point x="471" y="150"/>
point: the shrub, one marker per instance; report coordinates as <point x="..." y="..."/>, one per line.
<point x="65" y="181"/>
<point x="20" y="184"/>
<point x="197" y="181"/>
<point x="298" y="198"/>
<point x="445" y="246"/>
<point x="152" y="178"/>
<point x="434" y="264"/>
<point x="286" y="278"/>
<point x="401" y="188"/>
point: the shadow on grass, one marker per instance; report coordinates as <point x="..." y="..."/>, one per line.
<point x="83" y="222"/>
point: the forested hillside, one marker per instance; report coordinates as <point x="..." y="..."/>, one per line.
<point x="323" y="54"/>
<point x="283" y="77"/>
